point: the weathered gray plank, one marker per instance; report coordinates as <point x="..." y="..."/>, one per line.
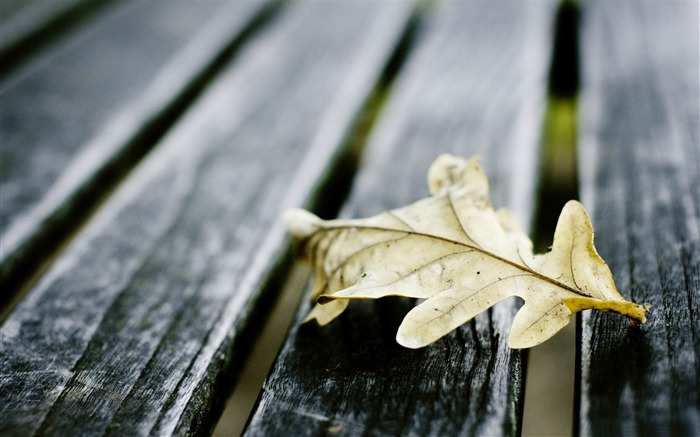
<point x="640" y="174"/>
<point x="90" y="105"/>
<point x="28" y="23"/>
<point x="141" y="323"/>
<point x="476" y="83"/>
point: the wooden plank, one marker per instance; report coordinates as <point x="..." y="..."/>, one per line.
<point x="21" y="18"/>
<point x="27" y="24"/>
<point x="79" y="114"/>
<point x="142" y="323"/>
<point x="640" y="175"/>
<point x="476" y="83"/>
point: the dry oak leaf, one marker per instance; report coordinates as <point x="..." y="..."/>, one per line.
<point x="462" y="257"/>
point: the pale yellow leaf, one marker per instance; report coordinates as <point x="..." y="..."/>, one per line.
<point x="459" y="255"/>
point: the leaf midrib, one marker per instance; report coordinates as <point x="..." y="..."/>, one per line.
<point x="470" y="246"/>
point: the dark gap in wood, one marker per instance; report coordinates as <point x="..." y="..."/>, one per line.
<point x="58" y="26"/>
<point x="22" y="271"/>
<point x="558" y="177"/>
<point x="557" y="184"/>
<point x="564" y="73"/>
<point x="268" y="340"/>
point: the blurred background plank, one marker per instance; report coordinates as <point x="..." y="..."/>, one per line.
<point x="27" y="25"/>
<point x="79" y="115"/>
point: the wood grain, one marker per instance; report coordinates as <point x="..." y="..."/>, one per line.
<point x="141" y="325"/>
<point x="475" y="83"/>
<point x="640" y="176"/>
<point x="83" y="110"/>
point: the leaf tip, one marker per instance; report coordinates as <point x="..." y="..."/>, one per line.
<point x="301" y="223"/>
<point x="449" y="171"/>
<point x="524" y="343"/>
<point x="412" y="342"/>
<point x="324" y="314"/>
<point x="310" y="318"/>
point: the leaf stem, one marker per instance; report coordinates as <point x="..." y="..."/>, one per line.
<point x="635" y="312"/>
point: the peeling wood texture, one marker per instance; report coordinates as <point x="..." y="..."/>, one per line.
<point x="80" y="112"/>
<point x="141" y="324"/>
<point x="474" y="83"/>
<point x="640" y="173"/>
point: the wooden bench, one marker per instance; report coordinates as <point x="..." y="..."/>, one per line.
<point x="150" y="148"/>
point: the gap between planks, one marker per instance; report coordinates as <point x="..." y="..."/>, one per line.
<point x="551" y="367"/>
<point x="551" y="373"/>
<point x="240" y="404"/>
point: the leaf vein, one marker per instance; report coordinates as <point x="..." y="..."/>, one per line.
<point x="474" y="292"/>
<point x="459" y="222"/>
<point x="542" y="316"/>
<point x="360" y="251"/>
<point x="524" y="268"/>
